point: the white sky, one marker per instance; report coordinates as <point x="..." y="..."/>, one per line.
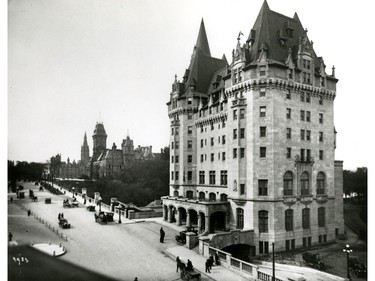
<point x="72" y="63"/>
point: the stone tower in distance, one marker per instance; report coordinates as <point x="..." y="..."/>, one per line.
<point x="99" y="140"/>
<point x="85" y="151"/>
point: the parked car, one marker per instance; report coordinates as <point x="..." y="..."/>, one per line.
<point x="181" y="238"/>
<point x="313" y="260"/>
<point x="357" y="267"/>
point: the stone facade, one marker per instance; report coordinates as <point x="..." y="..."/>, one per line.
<point x="253" y="142"/>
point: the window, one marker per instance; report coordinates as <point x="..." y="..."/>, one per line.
<point x="288" y="152"/>
<point x="189" y="144"/>
<point x="177" y="144"/>
<point x="172" y="145"/>
<point x="242" y="152"/>
<point x="172" y="159"/>
<point x="288" y="113"/>
<point x="190" y="175"/>
<point x="223" y="177"/>
<point x="302" y="135"/>
<point x="308" y="97"/>
<point x="287" y="247"/>
<point x="242" y="113"/>
<point x="263" y="247"/>
<point x="321" y="217"/>
<point x="263" y="221"/>
<point x="288" y="94"/>
<point x="189" y="194"/>
<point x="262" y="187"/>
<point x="172" y="131"/>
<point x="177" y="175"/>
<point x="201" y="178"/>
<point x="212" y="126"/>
<point x="288" y="183"/>
<point x="190" y="130"/>
<point x="262" y="92"/>
<point x="289" y="220"/>
<point x="302" y="96"/>
<point x="290" y="73"/>
<point x="223" y="139"/>
<point x="306" y="218"/>
<point x="202" y="158"/>
<point x="234" y="134"/>
<point x="223" y="124"/>
<point x="234" y="153"/>
<point x="239" y="218"/>
<point x="190" y="115"/>
<point x="320" y="136"/>
<point x="302" y="114"/>
<point x="320" y="183"/>
<point x="190" y="158"/>
<point x="190" y="100"/>
<point x="172" y="175"/>
<point x="321" y="100"/>
<point x="177" y="131"/>
<point x="321" y="155"/>
<point x="242" y="189"/>
<point x="212" y="177"/>
<point x="202" y="142"/>
<point x="305" y="183"/>
<point x="263" y="152"/>
<point x="308" y="135"/>
<point x="223" y="197"/>
<point x="303" y="155"/>
<point x="212" y="141"/>
<point x="242" y="133"/>
<point x="177" y="158"/>
<point x="262" y="111"/>
<point x="235" y="114"/>
<point x="212" y="196"/>
<point x="223" y="156"/>
<point x="321" y="118"/>
<point x="262" y="71"/>
<point x="212" y="157"/>
<point x="202" y="129"/>
<point x="308" y="116"/>
<point x="262" y="131"/>
<point x="288" y="133"/>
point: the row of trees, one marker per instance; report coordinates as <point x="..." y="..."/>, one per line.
<point x="356" y="182"/>
<point x="24" y="171"/>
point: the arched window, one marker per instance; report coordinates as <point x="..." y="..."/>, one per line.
<point x="263" y="221"/>
<point x="289" y="220"/>
<point x="212" y="196"/>
<point x="223" y="197"/>
<point x="239" y="218"/>
<point x="305" y="183"/>
<point x="306" y="218"/>
<point x="320" y="183"/>
<point x="175" y="193"/>
<point x="189" y="194"/>
<point x="321" y="216"/>
<point x="202" y="196"/>
<point x="288" y="183"/>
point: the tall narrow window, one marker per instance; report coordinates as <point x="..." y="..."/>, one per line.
<point x="262" y="71"/>
<point x="321" y="118"/>
<point x="288" y="152"/>
<point x="320" y="183"/>
<point x="302" y="115"/>
<point x="242" y="133"/>
<point x="288" y="133"/>
<point x="263" y="221"/>
<point x="242" y="113"/>
<point x="288" y="113"/>
<point x="321" y="217"/>
<point x="289" y="220"/>
<point x="262" y="92"/>
<point x="234" y="134"/>
<point x="288" y="183"/>
<point x="263" y="152"/>
<point x="223" y="177"/>
<point x="234" y="153"/>
<point x="306" y="218"/>
<point x="262" y="131"/>
<point x="201" y="177"/>
<point x="262" y="187"/>
<point x="305" y="183"/>
<point x="242" y="152"/>
<point x="242" y="189"/>
<point x="320" y="136"/>
<point x="262" y="111"/>
<point x="190" y="130"/>
<point x="240" y="218"/>
<point x="235" y="114"/>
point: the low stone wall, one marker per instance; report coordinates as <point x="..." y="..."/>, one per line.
<point x="144" y="215"/>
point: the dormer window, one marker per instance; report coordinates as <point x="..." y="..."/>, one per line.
<point x="290" y="73"/>
<point x="240" y="74"/>
<point x="235" y="79"/>
<point x="262" y="70"/>
<point x="190" y="100"/>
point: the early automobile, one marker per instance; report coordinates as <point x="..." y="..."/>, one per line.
<point x="357" y="267"/>
<point x="91" y="208"/>
<point x="313" y="260"/>
<point x="63" y="223"/>
<point x="103" y="217"/>
<point x="181" y="238"/>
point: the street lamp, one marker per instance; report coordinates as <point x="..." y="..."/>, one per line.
<point x="99" y="202"/>
<point x="273" y="261"/>
<point x="347" y="250"/>
<point x="119" y="208"/>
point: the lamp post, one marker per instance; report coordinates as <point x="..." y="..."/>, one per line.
<point x="347" y="250"/>
<point x="100" y="203"/>
<point x="273" y="261"/>
<point x="119" y="213"/>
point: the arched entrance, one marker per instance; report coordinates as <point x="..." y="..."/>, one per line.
<point x="201" y="223"/>
<point x="193" y="215"/>
<point x="217" y="222"/>
<point x="181" y="219"/>
<point x="241" y="251"/>
<point x="171" y="214"/>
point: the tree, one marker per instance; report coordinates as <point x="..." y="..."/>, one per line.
<point x="355" y="181"/>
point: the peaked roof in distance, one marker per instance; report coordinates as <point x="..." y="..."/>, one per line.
<point x="202" y="41"/>
<point x="99" y="130"/>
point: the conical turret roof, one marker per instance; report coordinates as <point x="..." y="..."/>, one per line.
<point x="202" y="42"/>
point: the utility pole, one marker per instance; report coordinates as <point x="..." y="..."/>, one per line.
<point x="273" y="261"/>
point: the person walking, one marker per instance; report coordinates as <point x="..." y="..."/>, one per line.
<point x="211" y="259"/>
<point x="162" y="234"/>
<point x="178" y="261"/>
<point x="28" y="213"/>
<point x="208" y="266"/>
<point x="217" y="259"/>
<point x="10" y="236"/>
<point x="189" y="265"/>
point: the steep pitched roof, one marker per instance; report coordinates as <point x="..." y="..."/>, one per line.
<point x="270" y="27"/>
<point x="202" y="42"/>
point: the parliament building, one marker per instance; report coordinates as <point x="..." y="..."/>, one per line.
<point x="252" y="142"/>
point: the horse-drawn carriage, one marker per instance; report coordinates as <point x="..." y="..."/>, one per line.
<point x="32" y="196"/>
<point x="63" y="223"/>
<point x="181" y="238"/>
<point x="67" y="204"/>
<point x="188" y="273"/>
<point x="103" y="217"/>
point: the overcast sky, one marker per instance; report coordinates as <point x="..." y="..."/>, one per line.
<point x="72" y="63"/>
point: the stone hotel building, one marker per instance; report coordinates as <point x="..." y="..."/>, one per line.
<point x="252" y="142"/>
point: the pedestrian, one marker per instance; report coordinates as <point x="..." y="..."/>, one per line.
<point x="84" y="201"/>
<point x="59" y="216"/>
<point x="189" y="265"/>
<point x="11" y="199"/>
<point x="28" y="213"/>
<point x="10" y="236"/>
<point x="178" y="261"/>
<point x="62" y="215"/>
<point x="162" y="234"/>
<point x="217" y="259"/>
<point x="211" y="258"/>
<point x="208" y="266"/>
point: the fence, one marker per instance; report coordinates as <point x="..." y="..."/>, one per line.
<point x="245" y="268"/>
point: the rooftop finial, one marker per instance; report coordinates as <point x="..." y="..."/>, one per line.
<point x="333" y="71"/>
<point x="239" y="34"/>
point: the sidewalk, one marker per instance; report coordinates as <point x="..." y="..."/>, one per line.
<point x="218" y="273"/>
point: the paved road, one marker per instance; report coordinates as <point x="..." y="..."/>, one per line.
<point x="121" y="251"/>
